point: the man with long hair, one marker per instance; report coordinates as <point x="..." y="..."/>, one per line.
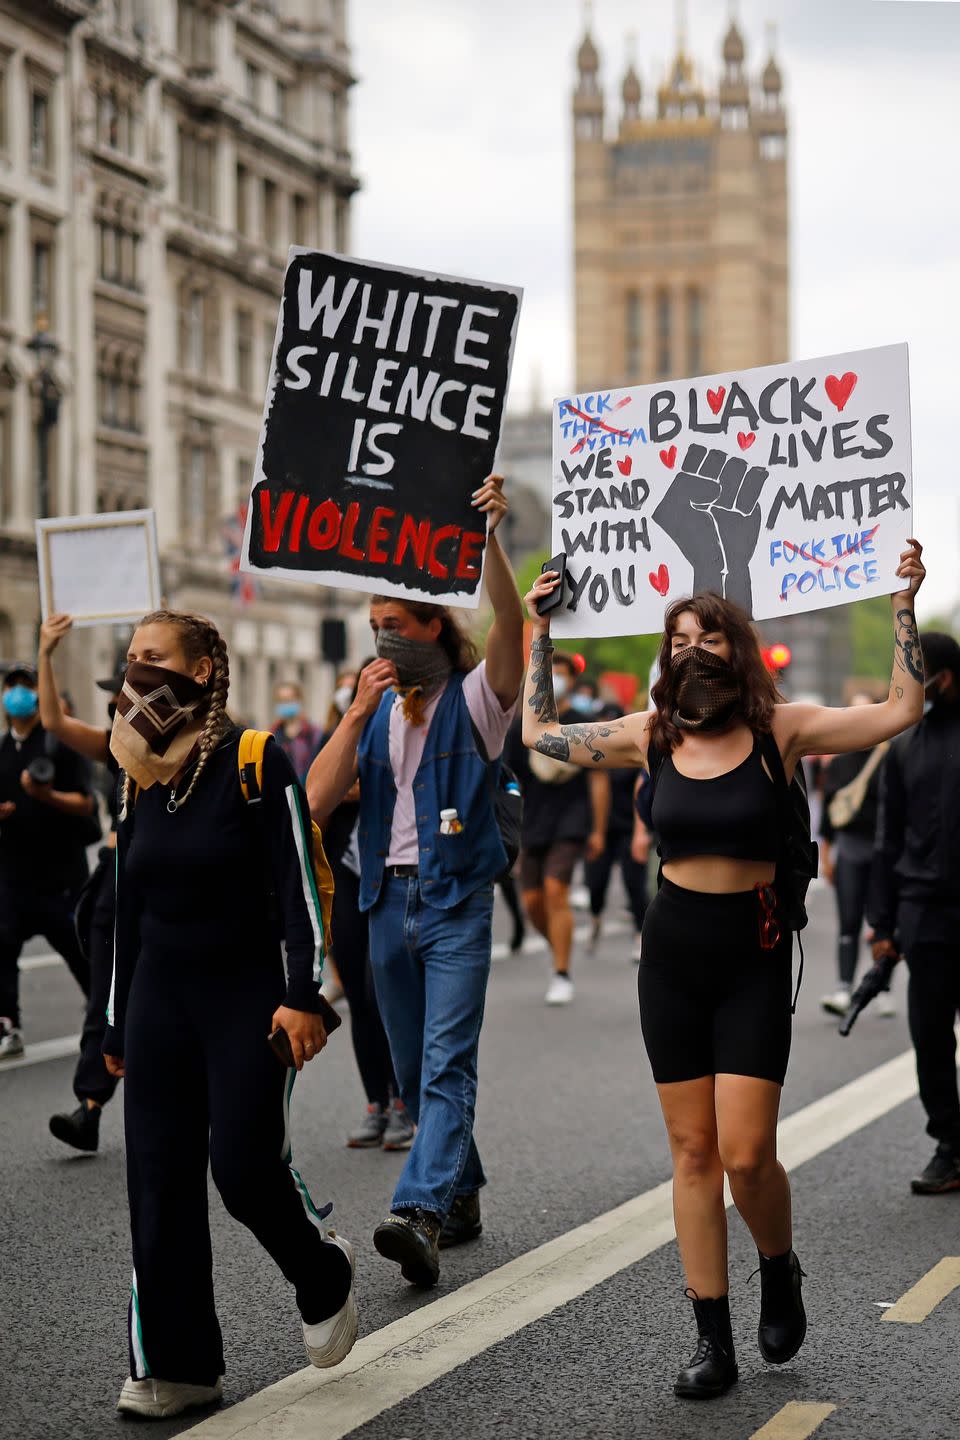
<point x="428" y="719"/>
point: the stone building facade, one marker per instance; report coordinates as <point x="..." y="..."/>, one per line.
<point x="680" y="222"/>
<point x="681" y="253"/>
<point x="157" y="157"/>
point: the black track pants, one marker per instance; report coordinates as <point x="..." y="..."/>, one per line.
<point x="23" y="914"/>
<point x="202" y="1084"/>
<point x="91" y="1079"/>
<point x="351" y="953"/>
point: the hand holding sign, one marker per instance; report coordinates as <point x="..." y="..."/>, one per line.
<point x="911" y="569"/>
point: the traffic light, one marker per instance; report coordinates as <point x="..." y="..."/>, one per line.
<point x="777" y="657"/>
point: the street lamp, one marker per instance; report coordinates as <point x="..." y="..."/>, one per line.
<point x="46" y="350"/>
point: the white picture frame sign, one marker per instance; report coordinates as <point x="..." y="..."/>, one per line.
<point x="100" y="569"/>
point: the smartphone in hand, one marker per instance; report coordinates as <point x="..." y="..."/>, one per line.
<point x="550" y="602"/>
<point x="279" y="1040"/>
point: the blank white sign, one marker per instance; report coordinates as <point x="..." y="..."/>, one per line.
<point x="101" y="569"/>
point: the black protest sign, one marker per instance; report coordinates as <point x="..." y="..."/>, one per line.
<point x="382" y="418"/>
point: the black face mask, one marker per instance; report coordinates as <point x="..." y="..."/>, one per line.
<point x="706" y="687"/>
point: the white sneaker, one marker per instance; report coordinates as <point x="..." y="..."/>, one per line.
<point x="579" y="897"/>
<point x="332" y="1340"/>
<point x="11" y="1041"/>
<point x="561" y="990"/>
<point x="637" y="944"/>
<point x="886" y="1005"/>
<point x="159" y="1399"/>
<point x="838" y="1003"/>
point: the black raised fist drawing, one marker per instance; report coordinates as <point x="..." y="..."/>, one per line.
<point x="712" y="513"/>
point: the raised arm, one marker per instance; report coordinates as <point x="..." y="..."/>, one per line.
<point x="608" y="743"/>
<point x="504" y="652"/>
<point x="824" y="730"/>
<point x="334" y="771"/>
<point x="88" y="740"/>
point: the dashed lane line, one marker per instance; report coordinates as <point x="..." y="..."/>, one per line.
<point x="795" y="1421"/>
<point x="924" y="1297"/>
<point x="396" y="1362"/>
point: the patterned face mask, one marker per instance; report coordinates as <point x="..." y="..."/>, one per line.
<point x="706" y="688"/>
<point x="421" y="664"/>
<point x="159" y="716"/>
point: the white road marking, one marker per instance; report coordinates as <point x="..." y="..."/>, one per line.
<point x="396" y="1362"/>
<point x="924" y="1297"/>
<point x="41" y="1050"/>
<point x="795" y="1421"/>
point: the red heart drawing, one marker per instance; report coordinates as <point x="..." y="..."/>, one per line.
<point x="840" y="391"/>
<point x="625" y="466"/>
<point x="715" y="399"/>
<point x="745" y="441"/>
<point x="669" y="457"/>
<point x="660" y="581"/>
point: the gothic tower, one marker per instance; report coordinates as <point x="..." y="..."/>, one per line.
<point x="680" y="221"/>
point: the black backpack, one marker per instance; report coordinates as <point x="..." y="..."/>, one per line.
<point x="506" y="798"/>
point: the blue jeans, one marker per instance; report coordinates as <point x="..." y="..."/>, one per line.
<point x="430" y="970"/>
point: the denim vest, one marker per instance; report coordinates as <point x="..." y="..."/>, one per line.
<point x="451" y="775"/>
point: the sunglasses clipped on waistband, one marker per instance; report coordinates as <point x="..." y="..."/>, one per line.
<point x="769" y="924"/>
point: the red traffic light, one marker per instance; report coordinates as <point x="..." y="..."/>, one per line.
<point x="777" y="657"/>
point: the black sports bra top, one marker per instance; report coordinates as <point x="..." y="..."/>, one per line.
<point x="734" y="814"/>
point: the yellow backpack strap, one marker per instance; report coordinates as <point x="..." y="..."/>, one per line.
<point x="250" y="763"/>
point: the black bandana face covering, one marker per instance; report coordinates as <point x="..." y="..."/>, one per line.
<point x="421" y="664"/>
<point x="706" y="688"/>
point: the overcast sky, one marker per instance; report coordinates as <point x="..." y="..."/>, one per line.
<point x="461" y="130"/>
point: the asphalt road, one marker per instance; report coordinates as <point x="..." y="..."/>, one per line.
<point x="569" y="1129"/>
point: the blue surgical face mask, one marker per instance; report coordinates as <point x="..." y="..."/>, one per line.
<point x="583" y="704"/>
<point x="289" y="709"/>
<point x="20" y="702"/>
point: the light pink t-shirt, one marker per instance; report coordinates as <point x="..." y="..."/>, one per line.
<point x="406" y="751"/>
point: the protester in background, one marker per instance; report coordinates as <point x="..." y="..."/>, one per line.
<point x="621" y="842"/>
<point x="565" y="816"/>
<point x="206" y="887"/>
<point x="93" y="1085"/>
<point x="387" y="1121"/>
<point x="914" y="904"/>
<point x="430" y="850"/>
<point x="47" y="810"/>
<point x="345" y="687"/>
<point x="715" y="979"/>
<point x="848" y="823"/>
<point x="297" y="737"/>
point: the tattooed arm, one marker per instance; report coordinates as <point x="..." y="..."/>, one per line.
<point x="822" y="730"/>
<point x="607" y="743"/>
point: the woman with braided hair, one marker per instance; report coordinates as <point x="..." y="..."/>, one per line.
<point x="206" y="886"/>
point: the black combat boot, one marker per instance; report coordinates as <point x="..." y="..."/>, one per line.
<point x="410" y="1238"/>
<point x="462" y="1222"/>
<point x="80" y="1129"/>
<point x="713" y="1367"/>
<point x="783" y="1320"/>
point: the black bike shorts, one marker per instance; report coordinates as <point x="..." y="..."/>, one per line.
<point x="712" y="1000"/>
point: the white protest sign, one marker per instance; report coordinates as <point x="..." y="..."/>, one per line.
<point x="786" y="488"/>
<point x="101" y="569"/>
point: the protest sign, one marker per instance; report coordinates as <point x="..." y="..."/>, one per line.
<point x="786" y="488"/>
<point x="382" y="417"/>
<point x="101" y="569"/>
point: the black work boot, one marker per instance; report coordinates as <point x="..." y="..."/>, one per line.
<point x="410" y="1238"/>
<point x="942" y="1173"/>
<point x="713" y="1367"/>
<point x="463" y="1221"/>
<point x="81" y="1128"/>
<point x="783" y="1320"/>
